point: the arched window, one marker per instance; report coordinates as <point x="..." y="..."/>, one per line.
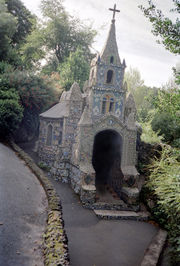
<point x="111" y="105"/>
<point x="49" y="135"/>
<point x="109" y="77"/>
<point x="60" y="137"/>
<point x="104" y="105"/>
<point x="112" y="60"/>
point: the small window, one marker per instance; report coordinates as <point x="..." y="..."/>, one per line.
<point x="61" y="123"/>
<point x="104" y="106"/>
<point x="49" y="136"/>
<point x="109" y="76"/>
<point x="111" y="105"/>
<point x="112" y="59"/>
<point x="60" y="137"/>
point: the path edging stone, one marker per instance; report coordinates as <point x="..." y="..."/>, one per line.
<point x="155" y="248"/>
<point x="55" y="242"/>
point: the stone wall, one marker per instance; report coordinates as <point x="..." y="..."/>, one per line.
<point x="46" y="152"/>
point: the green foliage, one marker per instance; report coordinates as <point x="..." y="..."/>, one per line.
<point x="11" y="111"/>
<point x="142" y="94"/>
<point x="164" y="27"/>
<point x="32" y="51"/>
<point x="36" y="92"/>
<point x="133" y="79"/>
<point x="164" y="184"/>
<point x="24" y="18"/>
<point x="8" y="26"/>
<point x="75" y="68"/>
<point x="57" y="36"/>
<point x="148" y="135"/>
<point x="166" y="120"/>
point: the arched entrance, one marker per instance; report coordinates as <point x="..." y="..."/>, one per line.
<point x="106" y="160"/>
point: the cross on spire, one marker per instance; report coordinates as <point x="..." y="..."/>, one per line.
<point x="114" y="11"/>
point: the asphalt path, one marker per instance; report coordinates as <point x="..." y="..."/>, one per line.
<point x="94" y="242"/>
<point x="23" y="206"/>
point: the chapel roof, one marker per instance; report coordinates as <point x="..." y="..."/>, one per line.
<point x="59" y="110"/>
<point x="111" y="47"/>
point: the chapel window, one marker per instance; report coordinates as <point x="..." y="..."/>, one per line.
<point x="104" y="105"/>
<point x="111" y="105"/>
<point x="109" y="77"/>
<point x="60" y="137"/>
<point x="49" y="135"/>
<point x="112" y="60"/>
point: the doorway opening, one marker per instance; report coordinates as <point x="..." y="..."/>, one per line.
<point x="106" y="161"/>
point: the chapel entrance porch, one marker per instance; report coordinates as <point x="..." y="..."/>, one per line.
<point x="106" y="161"/>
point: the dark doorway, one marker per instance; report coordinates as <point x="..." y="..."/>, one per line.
<point x="106" y="160"/>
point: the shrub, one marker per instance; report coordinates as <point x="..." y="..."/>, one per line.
<point x="149" y="135"/>
<point x="164" y="184"/>
<point x="164" y="124"/>
<point x="11" y="112"/>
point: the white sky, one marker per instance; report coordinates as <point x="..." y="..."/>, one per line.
<point x="135" y="41"/>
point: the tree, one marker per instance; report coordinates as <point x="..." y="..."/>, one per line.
<point x="133" y="79"/>
<point x="164" y="27"/>
<point x="75" y="68"/>
<point x="25" y="20"/>
<point x="57" y="35"/>
<point x="142" y="94"/>
<point x="167" y="117"/>
<point x="8" y="26"/>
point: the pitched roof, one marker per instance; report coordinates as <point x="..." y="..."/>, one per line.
<point x="59" y="110"/>
<point x="111" y="47"/>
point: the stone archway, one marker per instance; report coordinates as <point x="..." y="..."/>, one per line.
<point x="106" y="160"/>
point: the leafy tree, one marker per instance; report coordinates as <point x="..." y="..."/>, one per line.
<point x="25" y="20"/>
<point x="8" y="25"/>
<point x="142" y="94"/>
<point x="133" y="79"/>
<point x="167" y="116"/>
<point x="164" y="27"/>
<point x="75" y="68"/>
<point x="57" y="36"/>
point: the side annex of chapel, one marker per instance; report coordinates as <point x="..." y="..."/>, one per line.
<point x="90" y="137"/>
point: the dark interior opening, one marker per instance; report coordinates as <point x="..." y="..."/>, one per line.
<point x="109" y="76"/>
<point x="106" y="159"/>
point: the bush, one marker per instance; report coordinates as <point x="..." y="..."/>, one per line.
<point x="148" y="135"/>
<point x="164" y="184"/>
<point x="11" y="112"/>
<point x="164" y="124"/>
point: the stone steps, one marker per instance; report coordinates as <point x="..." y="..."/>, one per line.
<point x="122" y="215"/>
<point x="119" y="205"/>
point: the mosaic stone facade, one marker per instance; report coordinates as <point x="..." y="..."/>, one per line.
<point x="68" y="130"/>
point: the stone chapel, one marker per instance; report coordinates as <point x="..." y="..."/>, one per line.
<point x="89" y="138"/>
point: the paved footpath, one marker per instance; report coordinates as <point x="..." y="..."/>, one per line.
<point x="22" y="212"/>
<point x="94" y="242"/>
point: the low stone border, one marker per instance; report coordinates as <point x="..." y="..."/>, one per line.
<point x="55" y="240"/>
<point x="154" y="250"/>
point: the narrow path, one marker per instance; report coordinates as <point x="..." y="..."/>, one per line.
<point x="94" y="242"/>
<point x="23" y="206"/>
